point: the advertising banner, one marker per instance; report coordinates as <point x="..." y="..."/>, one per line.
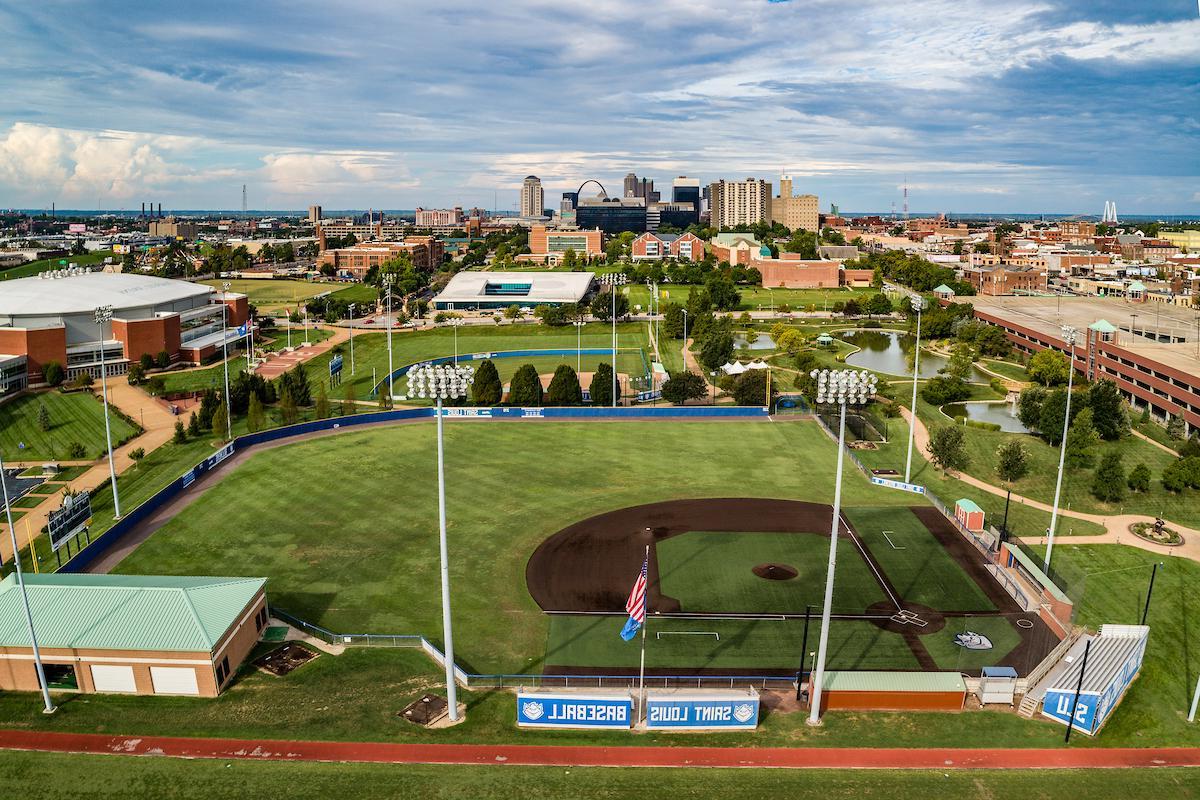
<point x="539" y="710"/>
<point x="895" y="484"/>
<point x="702" y="712"/>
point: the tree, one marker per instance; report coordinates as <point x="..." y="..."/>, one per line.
<point x="43" y="417"/>
<point x="1139" y="478"/>
<point x="672" y="322"/>
<point x="52" y="373"/>
<point x="569" y="260"/>
<point x="180" y="434"/>
<point x="1029" y="407"/>
<point x="992" y="342"/>
<point x="163" y="359"/>
<point x="322" y="404"/>
<point x="220" y="421"/>
<point x="1109" y="482"/>
<point x="348" y="398"/>
<point x="147" y="362"/>
<point x="852" y="308"/>
<point x="723" y="292"/>
<point x="947" y="447"/>
<point x="601" y="307"/>
<point x="512" y="312"/>
<point x="194" y="425"/>
<point x="1054" y="410"/>
<point x="525" y="388"/>
<point x="942" y="389"/>
<point x="717" y="349"/>
<point x="699" y="302"/>
<point x="287" y="406"/>
<point x="1081" y="440"/>
<point x="684" y="386"/>
<point x="879" y="304"/>
<point x="601" y="390"/>
<point x="136" y="455"/>
<point x="384" y="399"/>
<point x="564" y="389"/>
<point x="791" y="341"/>
<point x="1047" y="367"/>
<point x="1012" y="464"/>
<point x="487" y="390"/>
<point x="136" y="374"/>
<point x="255" y="418"/>
<point x="1175" y="428"/>
<point x="1145" y="414"/>
<point x="1108" y="410"/>
<point x="750" y="389"/>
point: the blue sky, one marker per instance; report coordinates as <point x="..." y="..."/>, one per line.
<point x="983" y="105"/>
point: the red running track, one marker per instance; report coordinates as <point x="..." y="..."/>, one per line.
<point x="632" y="756"/>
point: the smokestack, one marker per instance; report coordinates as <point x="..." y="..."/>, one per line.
<point x="160" y="210"/>
<point x="143" y="214"/>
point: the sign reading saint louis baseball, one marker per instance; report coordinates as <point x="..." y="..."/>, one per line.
<point x="537" y="710"/>
<point x="736" y="711"/>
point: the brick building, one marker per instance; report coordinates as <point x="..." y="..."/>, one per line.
<point x="654" y="246"/>
<point x="1003" y="279"/>
<point x="548" y="245"/>
<point x="789" y="271"/>
<point x="425" y="252"/>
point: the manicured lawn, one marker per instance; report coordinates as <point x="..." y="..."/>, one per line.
<point x="279" y="337"/>
<point x="76" y="417"/>
<point x="362" y="294"/>
<point x="754" y="298"/>
<point x="273" y="294"/>
<point x="353" y="566"/>
<point x="34" y="267"/>
<point x="711" y="571"/>
<point x="731" y="646"/>
<point x="915" y="562"/>
<point x="53" y="776"/>
<point x="1008" y="369"/>
<point x="1156" y="432"/>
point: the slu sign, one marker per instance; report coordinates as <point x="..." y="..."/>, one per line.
<point x="702" y="712"/>
<point x="536" y="710"/>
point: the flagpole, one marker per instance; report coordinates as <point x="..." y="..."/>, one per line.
<point x="642" y="669"/>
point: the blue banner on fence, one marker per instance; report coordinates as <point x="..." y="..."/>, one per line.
<point x="537" y="710"/>
<point x="700" y="712"/>
<point x="335" y="365"/>
<point x="895" y="484"/>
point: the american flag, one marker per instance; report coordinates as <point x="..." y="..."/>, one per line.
<point x="636" y="604"/>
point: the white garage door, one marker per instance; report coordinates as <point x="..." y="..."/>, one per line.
<point x="174" y="680"/>
<point x="113" y="678"/>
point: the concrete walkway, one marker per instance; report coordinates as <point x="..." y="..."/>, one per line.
<point x="158" y="425"/>
<point x="1116" y="526"/>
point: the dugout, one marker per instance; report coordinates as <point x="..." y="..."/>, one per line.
<point x="893" y="691"/>
<point x="130" y="634"/>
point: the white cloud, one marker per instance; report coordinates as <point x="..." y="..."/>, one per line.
<point x="301" y="174"/>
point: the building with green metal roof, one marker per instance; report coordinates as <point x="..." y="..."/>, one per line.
<point x="140" y="634"/>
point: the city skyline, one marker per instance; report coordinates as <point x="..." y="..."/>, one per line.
<point x="1052" y="107"/>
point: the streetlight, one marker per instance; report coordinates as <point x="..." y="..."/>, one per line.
<point x="387" y="287"/>
<point x="352" y="305"/>
<point x="841" y="388"/>
<point x="103" y="315"/>
<point x="12" y="533"/>
<point x="918" y="305"/>
<point x="1069" y="335"/>
<point x="443" y="383"/>
<point x="225" y="358"/>
<point x="306" y="325"/>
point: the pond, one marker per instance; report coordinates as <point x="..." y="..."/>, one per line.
<point x="891" y="352"/>
<point x="1000" y="413"/>
<point x="762" y="342"/>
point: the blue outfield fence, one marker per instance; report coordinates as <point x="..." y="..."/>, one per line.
<point x="101" y="543"/>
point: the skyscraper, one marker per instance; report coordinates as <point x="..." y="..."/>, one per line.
<point x="630" y="187"/>
<point x="532" y="199"/>
<point x="687" y="190"/>
<point x="738" y="202"/>
<point x="793" y="211"/>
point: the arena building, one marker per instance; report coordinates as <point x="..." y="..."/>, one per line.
<point x="52" y="317"/>
<point x="478" y="291"/>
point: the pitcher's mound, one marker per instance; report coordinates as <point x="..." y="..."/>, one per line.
<point x="775" y="572"/>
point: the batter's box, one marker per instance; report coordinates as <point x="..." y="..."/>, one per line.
<point x="906" y="617"/>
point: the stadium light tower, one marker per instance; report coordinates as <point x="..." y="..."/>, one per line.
<point x="225" y="358"/>
<point x="443" y="383"/>
<point x="387" y="287"/>
<point x="918" y="305"/>
<point x="103" y="315"/>
<point x="352" y="305"/>
<point x="578" y="345"/>
<point x="12" y="533"/>
<point x="841" y="388"/>
<point x="1069" y="335"/>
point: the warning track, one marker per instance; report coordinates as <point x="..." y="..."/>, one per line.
<point x="539" y="755"/>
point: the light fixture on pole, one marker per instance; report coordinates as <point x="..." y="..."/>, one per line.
<point x="12" y="534"/>
<point x="440" y="383"/>
<point x="918" y="305"/>
<point x="225" y="358"/>
<point x="387" y="287"/>
<point x="103" y="315"/>
<point x="306" y="325"/>
<point x="613" y="289"/>
<point x="1069" y="335"/>
<point x="352" y="305"/>
<point x="841" y="388"/>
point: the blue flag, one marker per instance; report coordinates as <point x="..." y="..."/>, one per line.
<point x="631" y="628"/>
<point x="241" y="330"/>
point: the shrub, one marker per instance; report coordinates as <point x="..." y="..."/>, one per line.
<point x="981" y="425"/>
<point x="942" y="389"/>
<point x="163" y="359"/>
<point x="1109" y="481"/>
<point x="146" y="361"/>
<point x="76" y="450"/>
<point x="180" y="434"/>
<point x="525" y="388"/>
<point x="52" y="373"/>
<point x="136" y="374"/>
<point x="564" y="389"/>
<point x="1139" y="478"/>
<point x="947" y="447"/>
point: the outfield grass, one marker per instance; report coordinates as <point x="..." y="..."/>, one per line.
<point x="75" y="417"/>
<point x="711" y="571"/>
<point x="34" y="267"/>
<point x="915" y="562"/>
<point x="354" y="566"/>
<point x="52" y="776"/>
